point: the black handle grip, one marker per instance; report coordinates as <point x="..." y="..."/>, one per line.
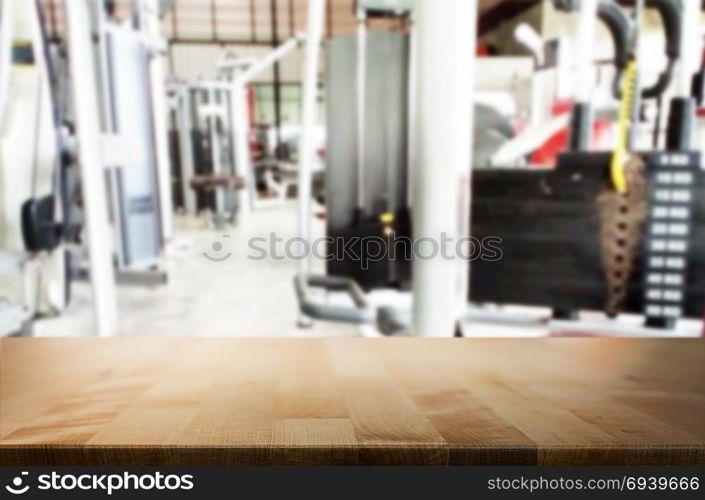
<point x="619" y="27"/>
<point x="671" y="12"/>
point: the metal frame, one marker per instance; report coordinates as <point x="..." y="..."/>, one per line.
<point x="441" y="158"/>
<point x="100" y="145"/>
<point x="361" y="62"/>
<point x="148" y="12"/>
<point x="241" y="73"/>
<point x="314" y="35"/>
<point x="115" y="149"/>
<point x="186" y="151"/>
<point x="208" y="113"/>
<point x="90" y="161"/>
<point x="443" y="132"/>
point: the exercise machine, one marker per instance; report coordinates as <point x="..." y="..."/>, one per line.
<point x="119" y="112"/>
<point x="34" y="277"/>
<point x="381" y="163"/>
<point x="132" y="117"/>
<point x="203" y="153"/>
<point x="572" y="237"/>
<point x="239" y="73"/>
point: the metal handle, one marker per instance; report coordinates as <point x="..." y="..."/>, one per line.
<point x="361" y="313"/>
<point x="671" y="12"/>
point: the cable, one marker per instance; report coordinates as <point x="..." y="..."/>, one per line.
<point x="628" y="109"/>
<point x="37" y="135"/>
<point x="619" y="157"/>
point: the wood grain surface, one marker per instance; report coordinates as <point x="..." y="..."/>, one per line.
<point x="146" y="401"/>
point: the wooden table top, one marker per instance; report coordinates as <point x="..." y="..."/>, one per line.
<point x="146" y="401"/>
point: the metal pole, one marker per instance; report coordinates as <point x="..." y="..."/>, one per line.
<point x="277" y="82"/>
<point x="587" y="25"/>
<point x="157" y="79"/>
<point x="253" y="21"/>
<point x="183" y="111"/>
<point x="92" y="174"/>
<point x="216" y="161"/>
<point x="271" y="58"/>
<point x="681" y="121"/>
<point x="691" y="47"/>
<point x="360" y="109"/>
<point x="638" y="53"/>
<point x="214" y="22"/>
<point x="6" y="37"/>
<point x="241" y="128"/>
<point x="52" y="20"/>
<point x="443" y="130"/>
<point x="314" y="34"/>
<point x="411" y="119"/>
<point x="581" y="127"/>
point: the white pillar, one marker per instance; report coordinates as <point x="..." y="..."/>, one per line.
<point x="243" y="161"/>
<point x="691" y="46"/>
<point x="314" y="34"/>
<point x="587" y="25"/>
<point x="361" y="95"/>
<point x="6" y="39"/>
<point x="183" y="111"/>
<point x="411" y="113"/>
<point x="159" y="111"/>
<point x="446" y="42"/>
<point x="92" y="174"/>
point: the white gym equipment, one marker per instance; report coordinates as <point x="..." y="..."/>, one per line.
<point x="122" y="149"/>
<point x="31" y="283"/>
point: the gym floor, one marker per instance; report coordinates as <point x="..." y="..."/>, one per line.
<point x="236" y="297"/>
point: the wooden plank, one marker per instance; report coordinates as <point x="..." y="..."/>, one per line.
<point x="475" y="434"/>
<point x="308" y="390"/>
<point x="314" y="442"/>
<point x="133" y="401"/>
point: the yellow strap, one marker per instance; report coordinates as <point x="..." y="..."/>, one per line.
<point x="620" y="156"/>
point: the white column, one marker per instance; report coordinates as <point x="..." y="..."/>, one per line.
<point x="446" y="41"/>
<point x="159" y="120"/>
<point x="361" y="96"/>
<point x="183" y="111"/>
<point x="691" y="46"/>
<point x="216" y="162"/>
<point x="6" y="38"/>
<point x="314" y="34"/>
<point x="243" y="161"/>
<point x="92" y="173"/>
<point x="587" y="25"/>
<point x="411" y="114"/>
